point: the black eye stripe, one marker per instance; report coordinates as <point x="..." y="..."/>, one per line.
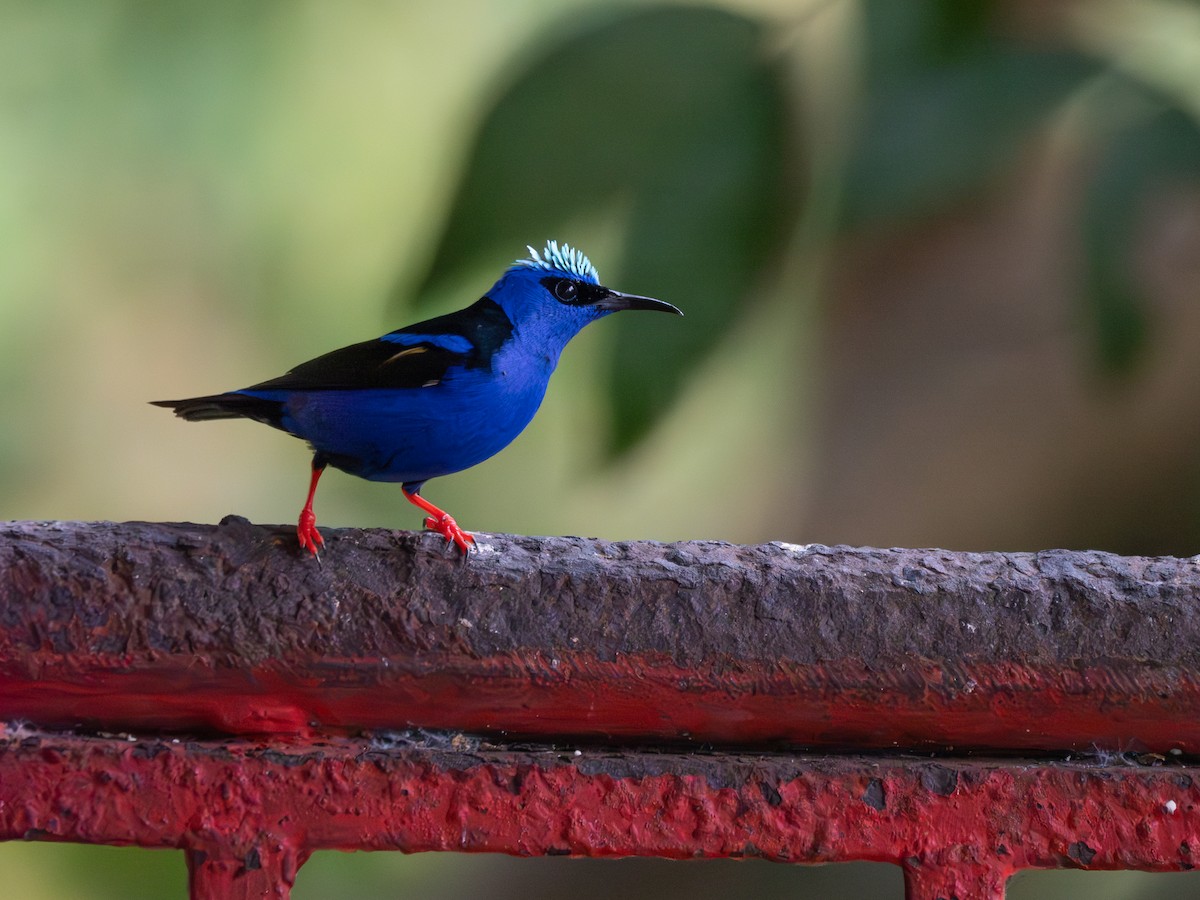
<point x="572" y="292"/>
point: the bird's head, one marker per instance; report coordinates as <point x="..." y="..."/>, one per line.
<point x="555" y="293"/>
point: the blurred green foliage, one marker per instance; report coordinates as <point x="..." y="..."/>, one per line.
<point x="674" y="117"/>
<point x="1148" y="155"/>
<point x="686" y="120"/>
<point x="946" y="106"/>
<point x="194" y="196"/>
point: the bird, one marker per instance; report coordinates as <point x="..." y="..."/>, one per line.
<point x="433" y="398"/>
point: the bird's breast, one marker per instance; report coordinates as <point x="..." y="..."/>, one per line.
<point x="412" y="434"/>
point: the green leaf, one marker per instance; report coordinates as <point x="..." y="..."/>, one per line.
<point x="676" y="115"/>
<point x="902" y="39"/>
<point x="1136" y="163"/>
<point x="937" y="136"/>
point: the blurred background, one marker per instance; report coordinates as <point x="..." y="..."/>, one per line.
<point x="940" y="261"/>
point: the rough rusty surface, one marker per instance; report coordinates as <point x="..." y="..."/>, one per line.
<point x="249" y="814"/>
<point x="230" y="629"/>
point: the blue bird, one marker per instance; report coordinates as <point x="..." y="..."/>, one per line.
<point x="433" y="398"/>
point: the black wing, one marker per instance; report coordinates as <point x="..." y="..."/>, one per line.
<point x="412" y="357"/>
<point x="371" y="364"/>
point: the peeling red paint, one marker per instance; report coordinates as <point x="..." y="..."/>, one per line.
<point x="250" y="814"/>
<point x="632" y="698"/>
<point x="193" y="630"/>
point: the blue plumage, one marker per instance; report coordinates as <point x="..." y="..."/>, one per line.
<point x="437" y="397"/>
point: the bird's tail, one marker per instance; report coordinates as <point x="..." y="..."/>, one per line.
<point x="225" y="406"/>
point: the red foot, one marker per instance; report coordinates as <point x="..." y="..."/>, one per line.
<point x="448" y="528"/>
<point x="443" y="523"/>
<point x="306" y="530"/>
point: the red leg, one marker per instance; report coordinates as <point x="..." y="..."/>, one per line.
<point x="306" y="528"/>
<point x="442" y="522"/>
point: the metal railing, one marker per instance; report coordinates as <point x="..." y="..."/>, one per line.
<point x="962" y="715"/>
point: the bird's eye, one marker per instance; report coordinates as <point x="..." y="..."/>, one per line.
<point x="566" y="291"/>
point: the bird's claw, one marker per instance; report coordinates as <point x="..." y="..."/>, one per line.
<point x="306" y="531"/>
<point x="449" y="529"/>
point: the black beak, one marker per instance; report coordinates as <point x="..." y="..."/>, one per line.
<point x="614" y="301"/>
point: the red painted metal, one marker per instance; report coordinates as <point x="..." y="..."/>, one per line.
<point x="250" y="813"/>
<point x="636" y="698"/>
<point x="231" y="629"/>
<point x="200" y="631"/>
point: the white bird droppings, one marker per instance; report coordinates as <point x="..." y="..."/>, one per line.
<point x="792" y="548"/>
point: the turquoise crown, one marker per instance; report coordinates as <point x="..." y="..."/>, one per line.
<point x="561" y="259"/>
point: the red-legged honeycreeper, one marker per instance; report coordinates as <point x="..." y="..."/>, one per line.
<point x="436" y="397"/>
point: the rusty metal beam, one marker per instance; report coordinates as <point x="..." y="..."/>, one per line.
<point x="249" y="814"/>
<point x="227" y="629"/>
